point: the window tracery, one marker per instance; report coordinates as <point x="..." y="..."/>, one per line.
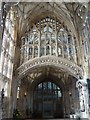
<point x="48" y="37"/>
<point x="46" y="91"/>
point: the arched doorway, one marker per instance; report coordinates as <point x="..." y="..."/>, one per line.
<point x="47" y="100"/>
<point x="48" y="93"/>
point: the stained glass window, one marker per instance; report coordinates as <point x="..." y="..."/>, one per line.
<point x="50" y="38"/>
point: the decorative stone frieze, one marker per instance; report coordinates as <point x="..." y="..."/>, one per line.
<point x="71" y="67"/>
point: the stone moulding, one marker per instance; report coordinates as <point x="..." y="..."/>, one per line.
<point x="59" y="62"/>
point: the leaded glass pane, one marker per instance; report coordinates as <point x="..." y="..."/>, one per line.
<point x="50" y="37"/>
<point x="46" y="98"/>
<point x="44" y="85"/>
<point x="49" y="85"/>
<point x="47" y="50"/>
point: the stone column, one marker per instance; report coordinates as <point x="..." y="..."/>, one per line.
<point x="13" y="97"/>
<point x="1" y="82"/>
<point x="1" y="95"/>
<point x="39" y="41"/>
<point x="0" y="105"/>
<point x="1" y="26"/>
<point x="56" y="37"/>
<point x="81" y="84"/>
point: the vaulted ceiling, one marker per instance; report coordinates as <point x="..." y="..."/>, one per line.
<point x="32" y="12"/>
<point x="72" y="14"/>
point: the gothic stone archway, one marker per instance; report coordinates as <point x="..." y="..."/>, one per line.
<point x="66" y="82"/>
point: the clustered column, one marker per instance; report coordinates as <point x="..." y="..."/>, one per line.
<point x="1" y="82"/>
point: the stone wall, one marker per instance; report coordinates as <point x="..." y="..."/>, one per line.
<point x="5" y="107"/>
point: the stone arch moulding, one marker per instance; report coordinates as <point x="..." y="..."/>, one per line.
<point x="58" y="62"/>
<point x="51" y="78"/>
